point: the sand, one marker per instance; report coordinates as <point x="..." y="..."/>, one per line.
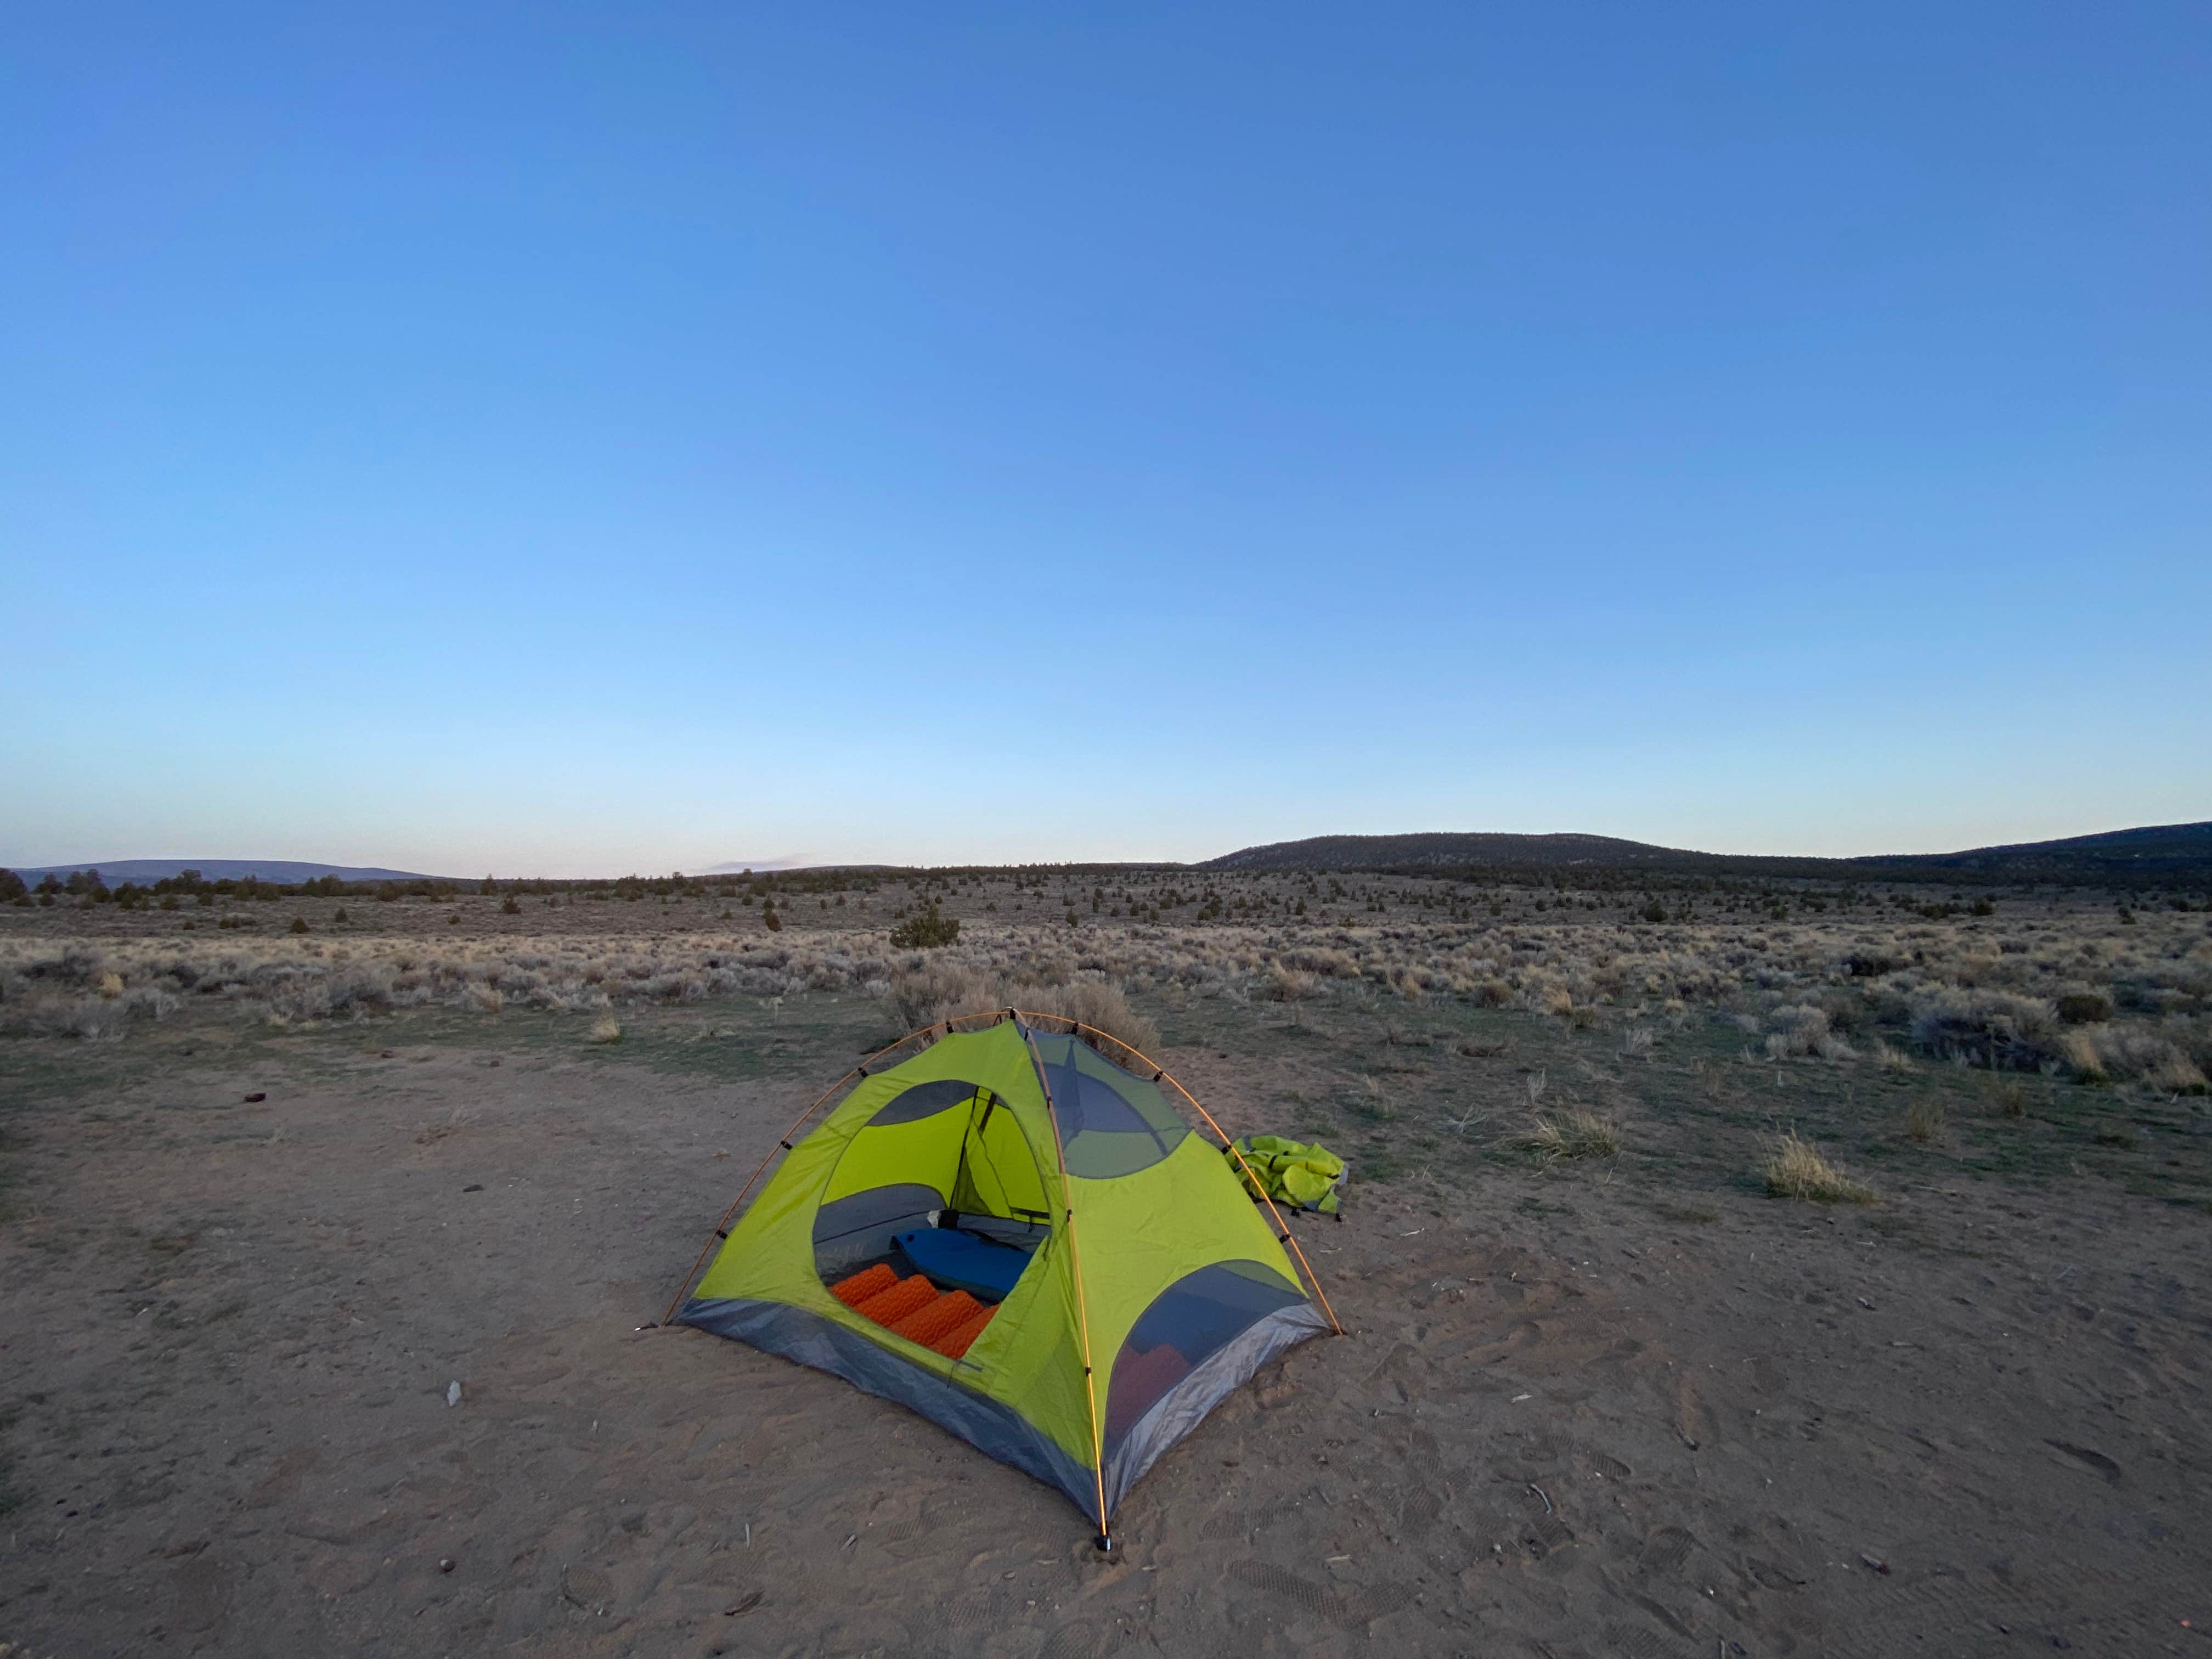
<point x="1578" y="1414"/>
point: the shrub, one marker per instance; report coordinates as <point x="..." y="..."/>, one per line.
<point x="1801" y="1030"/>
<point x="606" y="1029"/>
<point x="93" y="1020"/>
<point x="1797" y="1169"/>
<point x="927" y="930"/>
<point x="2085" y="1008"/>
<point x="299" y="925"/>
<point x="1988" y="1028"/>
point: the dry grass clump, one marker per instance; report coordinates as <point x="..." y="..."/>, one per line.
<point x="940" y="991"/>
<point x="1924" y="1119"/>
<point x="1797" y="1169"/>
<point x="1100" y="1006"/>
<point x="1800" y="1030"/>
<point x="1574" y="1132"/>
<point x="2095" y="1053"/>
<point x="606" y="1029"/>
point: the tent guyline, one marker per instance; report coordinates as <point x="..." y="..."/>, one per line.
<point x="920" y="1241"/>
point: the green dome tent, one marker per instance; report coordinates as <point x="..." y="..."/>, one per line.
<point x="1020" y="1239"/>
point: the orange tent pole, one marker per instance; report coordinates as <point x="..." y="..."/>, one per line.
<point x="1075" y="1269"/>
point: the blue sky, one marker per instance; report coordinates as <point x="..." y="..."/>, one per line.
<point x="571" y="440"/>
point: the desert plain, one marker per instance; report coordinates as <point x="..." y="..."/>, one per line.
<point x="337" y="1229"/>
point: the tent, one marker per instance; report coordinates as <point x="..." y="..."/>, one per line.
<point x="1018" y="1237"/>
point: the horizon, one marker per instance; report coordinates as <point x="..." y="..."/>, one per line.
<point x="773" y="866"/>
<point x="995" y="439"/>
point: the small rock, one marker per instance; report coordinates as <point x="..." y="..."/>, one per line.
<point x="473" y="1187"/>
<point x="445" y="1564"/>
<point x="256" y="1098"/>
<point x="453" y="1398"/>
<point x="1881" y="1567"/>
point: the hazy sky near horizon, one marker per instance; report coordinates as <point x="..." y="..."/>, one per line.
<point x="577" y="438"/>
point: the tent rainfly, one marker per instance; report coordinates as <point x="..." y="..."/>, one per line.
<point x="1018" y="1237"/>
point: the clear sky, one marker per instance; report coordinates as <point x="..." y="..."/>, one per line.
<point x="566" y="440"/>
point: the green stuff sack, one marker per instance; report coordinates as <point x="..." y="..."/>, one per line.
<point x="1291" y="1171"/>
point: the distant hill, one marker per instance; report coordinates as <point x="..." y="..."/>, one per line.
<point x="2165" y="849"/>
<point x="2178" y="852"/>
<point x="1446" y="849"/>
<point x="271" y="869"/>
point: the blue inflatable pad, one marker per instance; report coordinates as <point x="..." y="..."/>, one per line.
<point x="962" y="1262"/>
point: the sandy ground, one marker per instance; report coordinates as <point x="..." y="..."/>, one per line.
<point x="1576" y="1416"/>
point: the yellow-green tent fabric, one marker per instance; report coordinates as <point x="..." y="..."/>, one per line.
<point x="1153" y="1286"/>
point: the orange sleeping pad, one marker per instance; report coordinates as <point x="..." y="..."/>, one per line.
<point x="956" y="1341"/>
<point x="860" y="1286"/>
<point x="938" y="1318"/>
<point x="907" y="1295"/>
<point x="912" y="1308"/>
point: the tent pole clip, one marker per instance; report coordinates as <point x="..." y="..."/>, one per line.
<point x="1105" y="1543"/>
